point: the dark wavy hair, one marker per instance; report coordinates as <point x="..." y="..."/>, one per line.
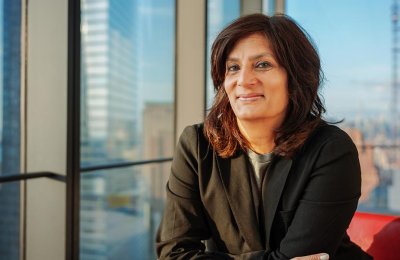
<point x="295" y="51"/>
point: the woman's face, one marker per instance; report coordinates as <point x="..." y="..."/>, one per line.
<point x="255" y="83"/>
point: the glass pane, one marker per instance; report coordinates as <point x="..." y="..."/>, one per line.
<point x="120" y="212"/>
<point x="127" y="113"/>
<point x="356" y="41"/>
<point x="10" y="31"/>
<point x="127" y="80"/>
<point x="219" y="14"/>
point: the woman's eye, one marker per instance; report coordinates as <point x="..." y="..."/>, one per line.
<point x="263" y="65"/>
<point x="233" y="68"/>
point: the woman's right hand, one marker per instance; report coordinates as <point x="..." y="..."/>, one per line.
<point x="321" y="256"/>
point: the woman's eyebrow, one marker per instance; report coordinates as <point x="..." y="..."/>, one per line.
<point x="254" y="57"/>
<point x="264" y="54"/>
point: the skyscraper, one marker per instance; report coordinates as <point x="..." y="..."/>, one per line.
<point x="108" y="120"/>
<point x="108" y="80"/>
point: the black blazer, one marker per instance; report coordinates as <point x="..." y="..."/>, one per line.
<point x="308" y="202"/>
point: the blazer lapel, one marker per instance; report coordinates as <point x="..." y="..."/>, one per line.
<point x="235" y="178"/>
<point x="272" y="190"/>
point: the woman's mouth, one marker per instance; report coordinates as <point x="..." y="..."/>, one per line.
<point x="250" y="97"/>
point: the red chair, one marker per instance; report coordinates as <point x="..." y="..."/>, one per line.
<point x="378" y="235"/>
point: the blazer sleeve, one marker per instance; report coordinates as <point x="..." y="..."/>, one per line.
<point x="183" y="225"/>
<point x="328" y="201"/>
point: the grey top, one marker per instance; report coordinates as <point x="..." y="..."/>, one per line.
<point x="260" y="163"/>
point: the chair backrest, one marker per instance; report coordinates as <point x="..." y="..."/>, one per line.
<point x="378" y="235"/>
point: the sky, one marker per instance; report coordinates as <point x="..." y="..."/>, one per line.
<point x="354" y="39"/>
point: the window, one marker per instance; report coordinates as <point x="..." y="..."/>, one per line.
<point x="356" y="44"/>
<point x="10" y="45"/>
<point x="127" y="115"/>
<point x="219" y="14"/>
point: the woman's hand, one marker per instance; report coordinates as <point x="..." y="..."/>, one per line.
<point x="322" y="256"/>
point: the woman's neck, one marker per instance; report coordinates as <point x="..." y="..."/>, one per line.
<point x="260" y="135"/>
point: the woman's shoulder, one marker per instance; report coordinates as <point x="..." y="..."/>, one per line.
<point x="193" y="133"/>
<point x="194" y="139"/>
<point x="328" y="136"/>
<point x="328" y="132"/>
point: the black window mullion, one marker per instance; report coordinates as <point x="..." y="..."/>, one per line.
<point x="73" y="132"/>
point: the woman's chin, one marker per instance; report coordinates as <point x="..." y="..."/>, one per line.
<point x="248" y="117"/>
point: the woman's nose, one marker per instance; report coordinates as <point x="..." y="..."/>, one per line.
<point x="246" y="78"/>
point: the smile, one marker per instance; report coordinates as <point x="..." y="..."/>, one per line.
<point x="250" y="97"/>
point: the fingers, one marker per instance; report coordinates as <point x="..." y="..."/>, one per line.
<point x="322" y="256"/>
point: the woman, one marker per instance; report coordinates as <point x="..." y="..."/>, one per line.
<point x="265" y="177"/>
